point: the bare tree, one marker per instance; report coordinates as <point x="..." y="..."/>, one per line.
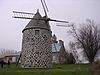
<point x="88" y="38"/>
<point x="73" y="50"/>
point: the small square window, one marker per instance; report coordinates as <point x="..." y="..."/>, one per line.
<point x="37" y="32"/>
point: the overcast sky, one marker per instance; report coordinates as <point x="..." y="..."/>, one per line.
<point x="76" y="11"/>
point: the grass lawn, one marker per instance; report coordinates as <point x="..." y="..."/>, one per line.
<point x="57" y="70"/>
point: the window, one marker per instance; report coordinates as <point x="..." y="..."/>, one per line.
<point x="45" y="37"/>
<point x="37" y="32"/>
<point x="54" y="58"/>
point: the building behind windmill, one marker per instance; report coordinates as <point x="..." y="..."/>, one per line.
<point x="36" y="44"/>
<point x="59" y="54"/>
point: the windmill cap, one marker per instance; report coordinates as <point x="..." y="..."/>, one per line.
<point x="40" y="24"/>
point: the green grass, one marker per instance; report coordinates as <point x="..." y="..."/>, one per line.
<point x="57" y="70"/>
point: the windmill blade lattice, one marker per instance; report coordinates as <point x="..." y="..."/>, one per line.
<point x="58" y="20"/>
<point x="64" y="25"/>
<point x="46" y="5"/>
<point x="23" y="15"/>
<point x="45" y="8"/>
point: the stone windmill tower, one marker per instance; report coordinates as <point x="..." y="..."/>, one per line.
<point x="36" y="42"/>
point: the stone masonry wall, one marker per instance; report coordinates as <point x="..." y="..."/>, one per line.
<point x="36" y="49"/>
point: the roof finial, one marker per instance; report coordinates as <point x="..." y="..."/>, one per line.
<point x="37" y="10"/>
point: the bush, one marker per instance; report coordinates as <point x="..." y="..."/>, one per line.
<point x="95" y="68"/>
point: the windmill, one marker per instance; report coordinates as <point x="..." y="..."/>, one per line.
<point x="36" y="48"/>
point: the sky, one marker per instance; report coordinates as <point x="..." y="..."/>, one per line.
<point x="73" y="11"/>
